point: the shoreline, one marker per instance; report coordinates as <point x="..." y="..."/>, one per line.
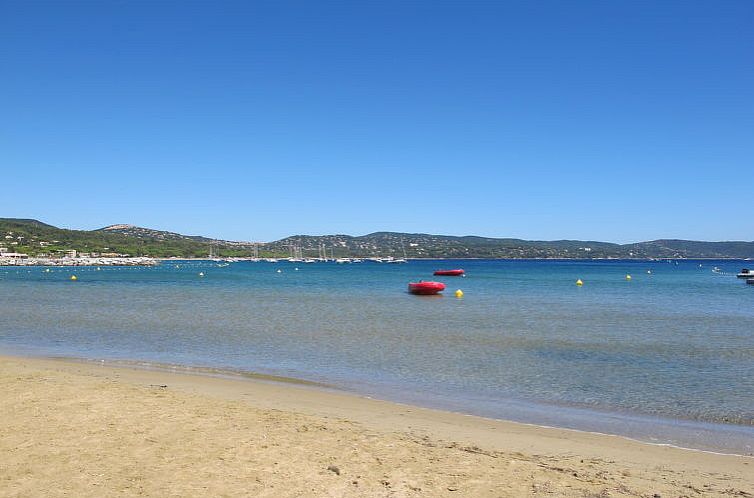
<point x="422" y="449"/>
<point x="657" y="430"/>
<point x="73" y="262"/>
<point x="246" y="375"/>
<point x="148" y="261"/>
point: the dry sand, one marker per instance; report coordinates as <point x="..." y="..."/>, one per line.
<point x="76" y="429"/>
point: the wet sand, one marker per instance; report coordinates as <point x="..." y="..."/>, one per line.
<point x="69" y="428"/>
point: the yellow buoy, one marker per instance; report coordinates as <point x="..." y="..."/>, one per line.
<point x="459" y="293"/>
<point x="579" y="282"/>
<point x="628" y="277"/>
<point x="74" y="277"/>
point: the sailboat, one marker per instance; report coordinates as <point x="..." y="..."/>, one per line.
<point x="399" y="260"/>
<point x="296" y="254"/>
<point x="213" y="255"/>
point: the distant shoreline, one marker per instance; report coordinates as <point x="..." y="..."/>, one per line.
<point x="148" y="261"/>
<point x="15" y="262"/>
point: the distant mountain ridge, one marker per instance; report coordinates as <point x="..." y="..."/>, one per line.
<point x="35" y="237"/>
<point x="438" y="246"/>
<point x="149" y="233"/>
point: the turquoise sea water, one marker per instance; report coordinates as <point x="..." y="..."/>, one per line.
<point x="666" y="357"/>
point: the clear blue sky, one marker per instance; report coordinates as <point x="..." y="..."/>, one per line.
<point x="617" y="120"/>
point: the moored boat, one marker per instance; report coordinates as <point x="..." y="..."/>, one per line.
<point x="450" y="273"/>
<point x="746" y="273"/>
<point x="425" y="288"/>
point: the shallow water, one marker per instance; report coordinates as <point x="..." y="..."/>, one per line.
<point x="666" y="356"/>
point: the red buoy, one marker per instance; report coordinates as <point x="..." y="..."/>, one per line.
<point x="450" y="273"/>
<point x="425" y="288"/>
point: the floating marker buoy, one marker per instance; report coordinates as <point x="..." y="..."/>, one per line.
<point x="649" y="272"/>
<point x="98" y="268"/>
<point x="201" y="273"/>
<point x="280" y="271"/>
<point x="296" y="268"/>
<point x="47" y="270"/>
<point x="579" y="282"/>
<point x="459" y="293"/>
<point x="628" y="277"/>
<point x="74" y="277"/>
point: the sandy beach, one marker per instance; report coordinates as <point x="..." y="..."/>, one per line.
<point x="70" y="428"/>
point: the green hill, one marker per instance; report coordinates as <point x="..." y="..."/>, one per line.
<point x="34" y="237"/>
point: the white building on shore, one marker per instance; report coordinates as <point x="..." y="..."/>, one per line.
<point x="13" y="255"/>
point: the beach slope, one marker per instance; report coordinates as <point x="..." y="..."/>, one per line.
<point x="79" y="429"/>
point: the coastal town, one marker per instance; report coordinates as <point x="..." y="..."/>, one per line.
<point x="71" y="258"/>
<point x="9" y="256"/>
